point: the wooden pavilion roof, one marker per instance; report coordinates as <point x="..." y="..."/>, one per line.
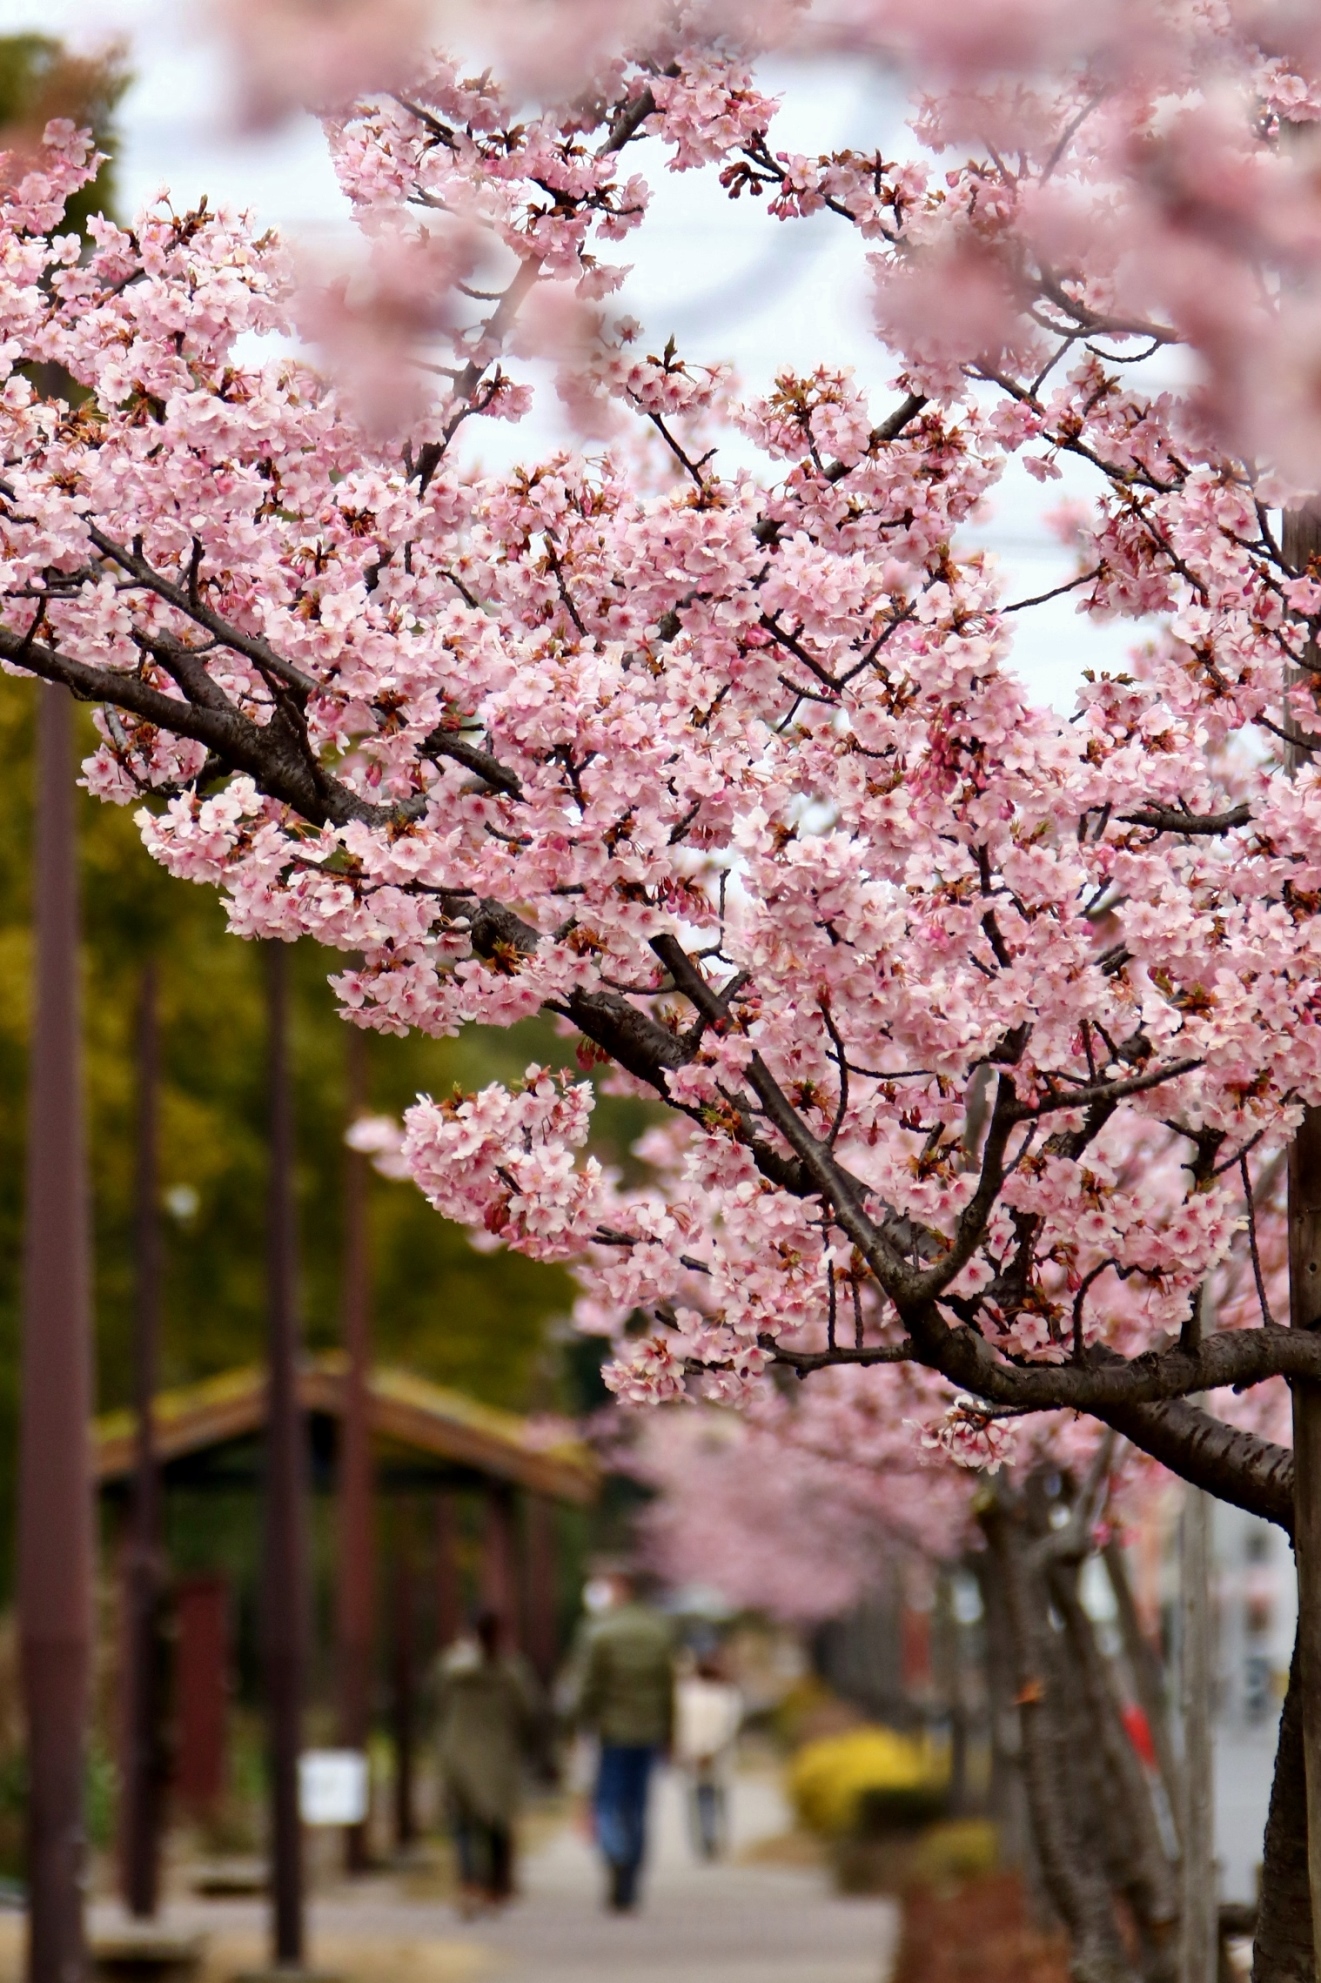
<point x="404" y="1410"/>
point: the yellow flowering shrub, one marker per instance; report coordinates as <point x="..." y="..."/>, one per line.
<point x="871" y="1772"/>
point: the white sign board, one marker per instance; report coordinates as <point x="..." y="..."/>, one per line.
<point x="332" y="1787"/>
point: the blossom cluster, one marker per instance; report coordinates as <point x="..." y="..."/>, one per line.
<point x="973" y="1020"/>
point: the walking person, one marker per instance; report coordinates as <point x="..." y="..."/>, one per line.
<point x="488" y="1717"/>
<point x="627" y="1701"/>
<point x="708" y="1716"/>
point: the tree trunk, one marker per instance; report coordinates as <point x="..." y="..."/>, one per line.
<point x="1142" y="1871"/>
<point x="1006" y="1788"/>
<point x="1302" y="548"/>
<point x="1199" y="1939"/>
<point x="1284" y="1949"/>
<point x="1145" y="1669"/>
<point x="1076" y="1885"/>
<point x="1305" y="1313"/>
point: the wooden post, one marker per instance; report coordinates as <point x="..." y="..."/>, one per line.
<point x="55" y="1510"/>
<point x="539" y="1586"/>
<point x="1198" y="1901"/>
<point x="356" y="1570"/>
<point x="202" y="1687"/>
<point x="404" y="1689"/>
<point x="449" y="1596"/>
<point x="143" y="1755"/>
<point x="1302" y="545"/>
<point x="283" y="1596"/>
<point x="499" y="1590"/>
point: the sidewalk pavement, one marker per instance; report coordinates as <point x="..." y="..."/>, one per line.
<point x="738" y="1921"/>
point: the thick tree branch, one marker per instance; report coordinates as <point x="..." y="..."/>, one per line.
<point x="1235" y="1466"/>
<point x="1105" y="1385"/>
<point x="1169" y="819"/>
<point x="274" y="755"/>
<point x="453" y="745"/>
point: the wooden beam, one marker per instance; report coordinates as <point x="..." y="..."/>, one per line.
<point x="402" y="1407"/>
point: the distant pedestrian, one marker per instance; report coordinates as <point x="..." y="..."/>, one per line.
<point x="488" y="1718"/>
<point x="627" y="1700"/>
<point x="708" y="1716"/>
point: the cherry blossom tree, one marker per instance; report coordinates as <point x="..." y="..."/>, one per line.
<point x="978" y="1025"/>
<point x="796" y="1506"/>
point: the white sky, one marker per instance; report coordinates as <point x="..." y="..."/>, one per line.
<point x="729" y="282"/>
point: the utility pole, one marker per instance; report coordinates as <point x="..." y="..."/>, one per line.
<point x="143" y="1775"/>
<point x="356" y="1578"/>
<point x="55" y="1512"/>
<point x="284" y="1595"/>
<point x="1302" y="545"/>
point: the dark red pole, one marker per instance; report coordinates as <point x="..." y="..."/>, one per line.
<point x="356" y="1578"/>
<point x="499" y="1588"/>
<point x="55" y="1518"/>
<point x="405" y="1685"/>
<point x="449" y="1596"/>
<point x="284" y="1593"/>
<point x="143" y="1777"/>
<point x="539" y="1586"/>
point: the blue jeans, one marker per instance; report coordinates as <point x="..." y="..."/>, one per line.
<point x="620" y="1806"/>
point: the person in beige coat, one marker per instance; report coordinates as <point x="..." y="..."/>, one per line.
<point x="488" y="1717"/>
<point x="708" y="1713"/>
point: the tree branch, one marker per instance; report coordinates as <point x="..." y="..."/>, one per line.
<point x="1169" y="819"/>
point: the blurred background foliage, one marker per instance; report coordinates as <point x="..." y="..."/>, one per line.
<point x="484" y="1323"/>
<point x="40" y="80"/>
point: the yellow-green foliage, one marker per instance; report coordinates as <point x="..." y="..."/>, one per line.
<point x="959" y="1849"/>
<point x="830" y="1779"/>
<point x="799" y="1706"/>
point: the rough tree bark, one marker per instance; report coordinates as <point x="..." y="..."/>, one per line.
<point x="1074" y="1880"/>
<point x="1302" y="547"/>
<point x="1198" y="1941"/>
<point x="1144" y="1667"/>
<point x="1141" y="1869"/>
<point x="1284" y="1951"/>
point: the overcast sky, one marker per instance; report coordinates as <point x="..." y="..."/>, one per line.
<point x="729" y="282"/>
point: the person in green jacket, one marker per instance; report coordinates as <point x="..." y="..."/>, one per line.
<point x="487" y="1716"/>
<point x="627" y="1700"/>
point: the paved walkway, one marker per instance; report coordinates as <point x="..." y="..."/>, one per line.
<point x="740" y="1921"/>
<point x="727" y="1923"/>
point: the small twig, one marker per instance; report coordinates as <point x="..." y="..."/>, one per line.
<point x="1056" y="592"/>
<point x="1257" y="1275"/>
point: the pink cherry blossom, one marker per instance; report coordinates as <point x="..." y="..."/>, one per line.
<point x="971" y="1021"/>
